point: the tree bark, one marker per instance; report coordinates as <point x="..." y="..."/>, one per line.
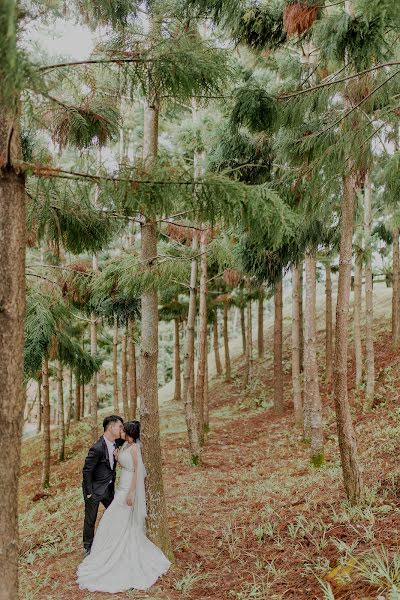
<point x="77" y="397"/>
<point x="243" y="328"/>
<point x="61" y="416"/>
<point x="93" y="383"/>
<point x="218" y="364"/>
<point x="206" y="395"/>
<point x="124" y="376"/>
<point x="278" y="367"/>
<point x="248" y="375"/>
<point x="46" y="424"/>
<point x="83" y="401"/>
<point x="70" y="403"/>
<point x="396" y="290"/>
<point x="328" y="324"/>
<point x="313" y="427"/>
<point x="357" y="320"/>
<point x="157" y="526"/>
<point x="347" y="441"/>
<point x="260" y="337"/>
<point x="296" y="381"/>
<point x="202" y="332"/>
<point x="132" y="375"/>
<point x="301" y="317"/>
<point x="115" y="368"/>
<point x="191" y="408"/>
<point x="369" y="306"/>
<point x="228" y="373"/>
<point x="177" y="363"/>
<point x="39" y="423"/>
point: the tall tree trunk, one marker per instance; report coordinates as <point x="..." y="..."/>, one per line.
<point x="202" y="332"/>
<point x="243" y="328"/>
<point x="191" y="408"/>
<point x="328" y="324"/>
<point x="369" y="306"/>
<point x="278" y="367"/>
<point x="347" y="440"/>
<point x="12" y="305"/>
<point x="132" y="376"/>
<point x="115" y="368"/>
<point x="157" y="527"/>
<point x="260" y="336"/>
<point x="93" y="383"/>
<point x="296" y="381"/>
<point x="70" y="403"/>
<point x="61" y="416"/>
<point x="177" y="363"/>
<point x="228" y="374"/>
<point x="46" y="424"/>
<point x="313" y="426"/>
<point x="83" y="408"/>
<point x="301" y="317"/>
<point x="396" y="290"/>
<point x="39" y="423"/>
<point x="77" y="397"/>
<point x="124" y="375"/>
<point x="206" y="395"/>
<point x="218" y="364"/>
<point x="357" y="320"/>
<point x="249" y="349"/>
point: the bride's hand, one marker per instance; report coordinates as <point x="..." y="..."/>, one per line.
<point x="130" y="498"/>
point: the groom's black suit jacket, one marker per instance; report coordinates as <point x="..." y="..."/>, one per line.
<point x="97" y="471"/>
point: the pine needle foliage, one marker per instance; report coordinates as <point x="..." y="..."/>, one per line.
<point x="261" y="27"/>
<point x="116" y="13"/>
<point x="254" y="108"/>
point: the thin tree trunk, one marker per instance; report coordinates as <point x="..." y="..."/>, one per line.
<point x="39" y="423"/>
<point x="347" y="440"/>
<point x="218" y="364"/>
<point x="115" y="368"/>
<point x="77" y="398"/>
<point x="243" y="328"/>
<point x="202" y="332"/>
<point x="301" y="317"/>
<point x="328" y="324"/>
<point x="313" y="427"/>
<point x="357" y="320"/>
<point x="260" y="337"/>
<point x="93" y="383"/>
<point x="191" y="413"/>
<point x="70" y="403"/>
<point x="296" y="381"/>
<point x="157" y="526"/>
<point x="124" y="376"/>
<point x="278" y="367"/>
<point x="249" y="349"/>
<point x="61" y="416"/>
<point x="369" y="306"/>
<point x="83" y="407"/>
<point x="228" y="374"/>
<point x="132" y="376"/>
<point x="206" y="395"/>
<point x="396" y="290"/>
<point x="46" y="424"/>
<point x="177" y="363"/>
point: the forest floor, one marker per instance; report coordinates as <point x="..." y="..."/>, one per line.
<point x="255" y="521"/>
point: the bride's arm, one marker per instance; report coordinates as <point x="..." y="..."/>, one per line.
<point x="131" y="493"/>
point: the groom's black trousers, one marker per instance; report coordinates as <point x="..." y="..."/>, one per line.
<point x="91" y="509"/>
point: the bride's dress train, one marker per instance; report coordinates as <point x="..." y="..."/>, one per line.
<point x="122" y="557"/>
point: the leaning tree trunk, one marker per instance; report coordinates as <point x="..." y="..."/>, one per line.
<point x="189" y="400"/>
<point x="132" y="375"/>
<point x="313" y="427"/>
<point x="357" y="320"/>
<point x="243" y="328"/>
<point x="328" y="324"/>
<point x="369" y="306"/>
<point x="396" y="290"/>
<point x="93" y="383"/>
<point x="260" y="334"/>
<point x="177" y="363"/>
<point x="278" y="367"/>
<point x="61" y="416"/>
<point x="115" y="368"/>
<point x="218" y="364"/>
<point x="346" y="435"/>
<point x="12" y="307"/>
<point x="202" y="332"/>
<point x="228" y="373"/>
<point x="39" y="423"/>
<point x="70" y="403"/>
<point x="124" y="376"/>
<point x="157" y="526"/>
<point x="296" y="381"/>
<point x="248" y="375"/>
<point x="46" y="424"/>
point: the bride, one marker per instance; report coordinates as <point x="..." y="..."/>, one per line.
<point x="122" y="557"/>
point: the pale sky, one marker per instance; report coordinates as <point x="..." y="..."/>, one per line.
<point x="62" y="37"/>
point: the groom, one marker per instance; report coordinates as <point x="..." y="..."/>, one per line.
<point x="99" y="474"/>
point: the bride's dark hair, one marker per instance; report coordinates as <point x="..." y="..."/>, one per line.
<point x="132" y="428"/>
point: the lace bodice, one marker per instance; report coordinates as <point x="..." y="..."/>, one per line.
<point x="125" y="458"/>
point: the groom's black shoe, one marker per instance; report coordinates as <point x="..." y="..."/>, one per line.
<point x="86" y="552"/>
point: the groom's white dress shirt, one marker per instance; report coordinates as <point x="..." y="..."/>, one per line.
<point x="110" y="448"/>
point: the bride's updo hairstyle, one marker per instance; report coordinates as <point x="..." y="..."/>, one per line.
<point x="132" y="429"/>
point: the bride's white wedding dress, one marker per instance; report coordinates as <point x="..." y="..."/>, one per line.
<point x="122" y="557"/>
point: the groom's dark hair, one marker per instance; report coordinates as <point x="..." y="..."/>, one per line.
<point x="111" y="419"/>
